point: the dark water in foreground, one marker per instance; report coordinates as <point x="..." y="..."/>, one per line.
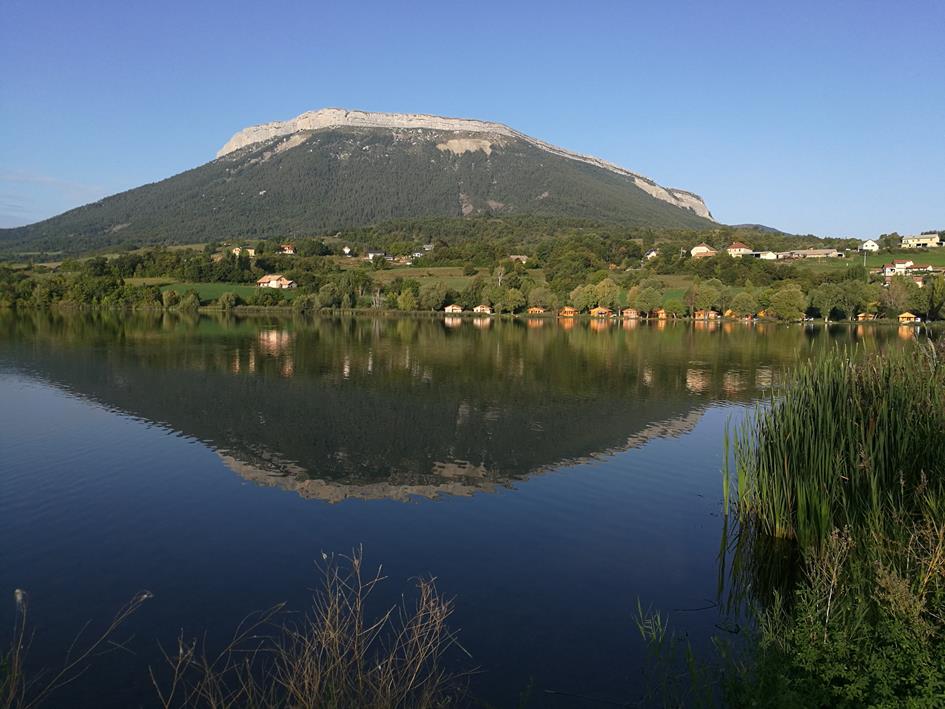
<point x="548" y="476"/>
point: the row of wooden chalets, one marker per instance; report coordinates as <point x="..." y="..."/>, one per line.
<point x="569" y="311"/>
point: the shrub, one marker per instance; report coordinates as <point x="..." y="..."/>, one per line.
<point x="228" y="300"/>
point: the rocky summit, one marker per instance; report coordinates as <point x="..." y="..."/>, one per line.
<point x="333" y="168"/>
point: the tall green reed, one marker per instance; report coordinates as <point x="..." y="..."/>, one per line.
<point x="848" y="438"/>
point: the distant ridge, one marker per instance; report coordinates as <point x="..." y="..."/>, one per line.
<point x="759" y="227"/>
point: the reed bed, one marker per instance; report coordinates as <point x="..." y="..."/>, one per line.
<point x="845" y="441"/>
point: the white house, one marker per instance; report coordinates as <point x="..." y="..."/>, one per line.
<point x="276" y="280"/>
<point x="870" y="245"/>
<point x="651" y="254"/>
<point x="483" y="309"/>
<point x="738" y="249"/>
<point x="702" y="251"/>
<point x="346" y="250"/>
<point x="454" y="308"/>
<point x="287" y="249"/>
<point x="922" y="241"/>
<point x="373" y="254"/>
<point x="243" y="250"/>
<point x="766" y="255"/>
<point x="899" y="267"/>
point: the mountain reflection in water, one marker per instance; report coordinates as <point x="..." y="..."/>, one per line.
<point x="393" y="407"/>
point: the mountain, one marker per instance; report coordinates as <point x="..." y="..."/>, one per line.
<point x="332" y="169"/>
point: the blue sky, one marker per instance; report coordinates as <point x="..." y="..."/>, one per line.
<point x="814" y="117"/>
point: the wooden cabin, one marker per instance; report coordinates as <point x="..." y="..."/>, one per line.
<point x="567" y="311"/>
<point x="630" y="313"/>
<point x="907" y="318"/>
<point x="536" y="310"/>
<point x="601" y="312"/>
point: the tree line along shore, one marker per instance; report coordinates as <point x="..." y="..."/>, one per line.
<point x="656" y="274"/>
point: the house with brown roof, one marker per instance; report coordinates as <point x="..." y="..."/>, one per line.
<point x="536" y="310"/>
<point x="601" y="312"/>
<point x="630" y="313"/>
<point x="702" y="250"/>
<point x="453" y="308"/>
<point x="275" y="280"/>
<point x="483" y="309"/>
<point x="287" y="249"/>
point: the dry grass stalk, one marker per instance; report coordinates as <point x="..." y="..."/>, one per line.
<point x="18" y="690"/>
<point x="335" y="657"/>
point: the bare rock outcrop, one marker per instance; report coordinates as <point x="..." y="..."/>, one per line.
<point x="339" y="117"/>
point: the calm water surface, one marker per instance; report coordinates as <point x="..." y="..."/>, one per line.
<point x="548" y="474"/>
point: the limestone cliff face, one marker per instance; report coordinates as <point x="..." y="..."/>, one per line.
<point x="492" y="133"/>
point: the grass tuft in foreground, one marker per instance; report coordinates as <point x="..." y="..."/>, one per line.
<point x="340" y="654"/>
<point x="337" y="656"/>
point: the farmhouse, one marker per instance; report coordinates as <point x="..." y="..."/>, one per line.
<point x="870" y="246"/>
<point x="812" y="253"/>
<point x="287" y="249"/>
<point x="702" y="250"/>
<point x="275" y="280"/>
<point x="922" y="241"/>
<point x="738" y="249"/>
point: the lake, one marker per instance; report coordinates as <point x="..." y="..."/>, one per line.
<point x="550" y="475"/>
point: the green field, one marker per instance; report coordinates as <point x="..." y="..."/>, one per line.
<point x="932" y="257"/>
<point x="212" y="291"/>
<point x="452" y="276"/>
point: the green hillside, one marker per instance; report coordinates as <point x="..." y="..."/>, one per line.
<point x="348" y="177"/>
